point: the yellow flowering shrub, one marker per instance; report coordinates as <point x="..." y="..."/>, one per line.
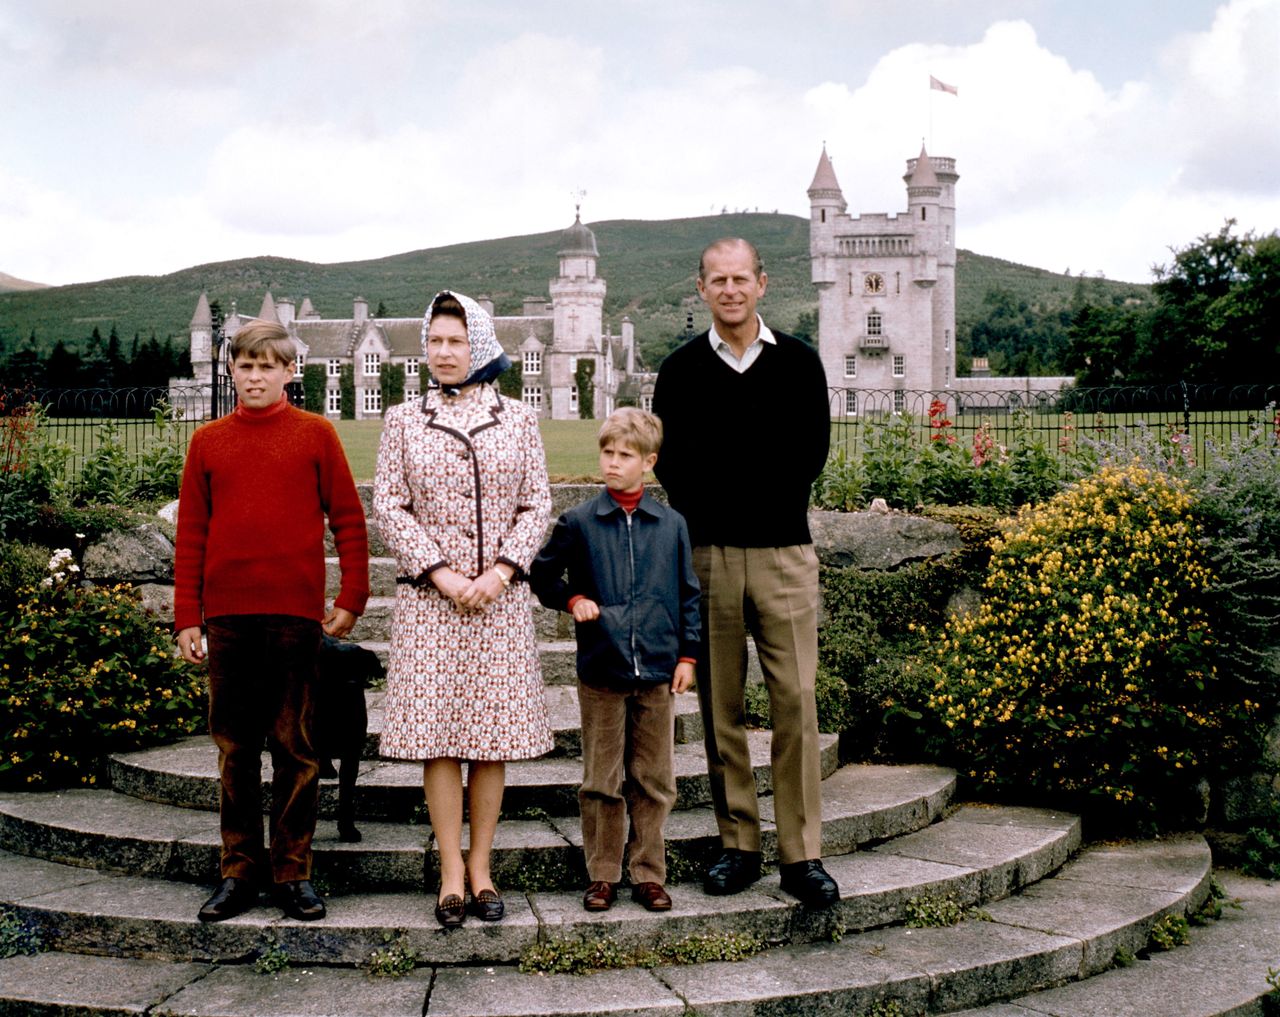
<point x="1087" y="671"/>
<point x="86" y="671"/>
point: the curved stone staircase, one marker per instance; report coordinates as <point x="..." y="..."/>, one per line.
<point x="109" y="881"/>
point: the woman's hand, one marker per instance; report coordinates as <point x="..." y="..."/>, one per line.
<point x="484" y="589"/>
<point x="450" y="583"/>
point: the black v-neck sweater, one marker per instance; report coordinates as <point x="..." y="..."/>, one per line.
<point x="740" y="452"/>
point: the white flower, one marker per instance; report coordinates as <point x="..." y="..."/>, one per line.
<point x="46" y="582"/>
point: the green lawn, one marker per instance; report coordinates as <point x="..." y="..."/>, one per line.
<point x="570" y="444"/>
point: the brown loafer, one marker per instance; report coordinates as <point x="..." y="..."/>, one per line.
<point x="652" y="896"/>
<point x="451" y="911"/>
<point x="599" y="896"/>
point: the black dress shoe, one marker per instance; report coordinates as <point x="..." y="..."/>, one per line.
<point x="234" y="897"/>
<point x="809" y="881"/>
<point x="487" y="906"/>
<point x="733" y="872"/>
<point x="298" y="900"/>
<point x="451" y="911"/>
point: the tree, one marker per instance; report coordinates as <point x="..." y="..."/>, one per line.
<point x="314" y="382"/>
<point x="62" y="369"/>
<point x="1216" y="303"/>
<point x="391" y="382"/>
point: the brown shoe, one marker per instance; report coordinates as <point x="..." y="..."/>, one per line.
<point x="652" y="896"/>
<point x="600" y="896"/>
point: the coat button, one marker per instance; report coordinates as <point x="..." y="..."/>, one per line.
<point x="469" y="534"/>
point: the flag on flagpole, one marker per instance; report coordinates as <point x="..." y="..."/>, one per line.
<point x="942" y="86"/>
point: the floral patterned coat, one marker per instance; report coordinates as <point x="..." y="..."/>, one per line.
<point x="462" y="482"/>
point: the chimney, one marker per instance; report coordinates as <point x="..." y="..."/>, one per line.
<point x="360" y="310"/>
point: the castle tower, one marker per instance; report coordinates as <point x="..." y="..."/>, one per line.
<point x="202" y="341"/>
<point x="886" y="289"/>
<point x="577" y="301"/>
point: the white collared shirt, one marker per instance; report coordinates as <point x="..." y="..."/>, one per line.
<point x="725" y="351"/>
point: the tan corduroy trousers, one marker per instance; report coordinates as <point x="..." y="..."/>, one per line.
<point x="771" y="592"/>
<point x="628" y="770"/>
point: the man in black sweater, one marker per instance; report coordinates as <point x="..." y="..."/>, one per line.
<point x="747" y="427"/>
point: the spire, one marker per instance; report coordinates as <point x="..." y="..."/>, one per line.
<point x="268" y="312"/>
<point x="203" y="318"/>
<point x="923" y="175"/>
<point x="824" y="183"/>
<point x="578" y="240"/>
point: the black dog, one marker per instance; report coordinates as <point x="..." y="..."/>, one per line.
<point x="340" y="722"/>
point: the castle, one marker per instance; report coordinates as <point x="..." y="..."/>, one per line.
<point x="549" y="339"/>
<point x="887" y="300"/>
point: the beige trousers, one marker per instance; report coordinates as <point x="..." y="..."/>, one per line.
<point x="771" y="592"/>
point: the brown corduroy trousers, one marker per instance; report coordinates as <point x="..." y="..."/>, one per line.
<point x="262" y="669"/>
<point x="628" y="769"/>
<point x="771" y="592"/>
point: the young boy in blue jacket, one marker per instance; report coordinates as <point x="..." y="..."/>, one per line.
<point x="622" y="566"/>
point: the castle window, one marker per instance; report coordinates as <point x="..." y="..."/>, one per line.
<point x="823" y="213"/>
<point x="646" y="402"/>
<point x="899" y="365"/>
<point x="573" y="399"/>
<point x="372" y="400"/>
<point x="532" y="361"/>
<point x="899" y="401"/>
<point x="850" y="367"/>
<point x="411" y="369"/>
<point x="333" y="401"/>
<point x="850" y="403"/>
<point x="922" y="214"/>
<point x="410" y="394"/>
<point x="372" y="364"/>
<point x="875" y="324"/>
<point x="533" y="396"/>
<point x="299" y="362"/>
<point x="334" y="368"/>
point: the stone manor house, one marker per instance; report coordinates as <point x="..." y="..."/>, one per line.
<point x="548" y="339"/>
<point x="886" y="319"/>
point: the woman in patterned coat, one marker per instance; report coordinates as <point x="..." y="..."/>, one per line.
<point x="461" y="499"/>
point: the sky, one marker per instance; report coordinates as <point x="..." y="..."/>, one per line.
<point x="147" y="136"/>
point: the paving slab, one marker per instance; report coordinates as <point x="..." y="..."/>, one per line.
<point x="490" y="992"/>
<point x="68" y="983"/>
<point x="299" y="992"/>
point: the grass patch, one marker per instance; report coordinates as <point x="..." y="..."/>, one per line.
<point x="580" y="956"/>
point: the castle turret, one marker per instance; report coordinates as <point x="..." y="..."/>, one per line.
<point x="826" y="204"/>
<point x="577" y="301"/>
<point x="268" y="312"/>
<point x="202" y="340"/>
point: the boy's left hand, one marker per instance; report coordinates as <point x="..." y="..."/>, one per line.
<point x="682" y="680"/>
<point x="338" y="622"/>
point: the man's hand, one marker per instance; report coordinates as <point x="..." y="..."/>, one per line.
<point x="682" y="680"/>
<point x="190" y="645"/>
<point x="585" y="610"/>
<point x="338" y="622"/>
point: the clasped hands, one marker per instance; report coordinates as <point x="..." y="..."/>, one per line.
<point x="471" y="594"/>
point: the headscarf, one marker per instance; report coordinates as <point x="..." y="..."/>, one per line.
<point x="487" y="357"/>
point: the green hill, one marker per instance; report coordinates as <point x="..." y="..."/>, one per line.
<point x="649" y="267"/>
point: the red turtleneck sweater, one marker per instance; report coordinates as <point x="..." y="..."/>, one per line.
<point x="256" y="488"/>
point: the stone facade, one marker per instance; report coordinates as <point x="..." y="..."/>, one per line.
<point x="548" y="339"/>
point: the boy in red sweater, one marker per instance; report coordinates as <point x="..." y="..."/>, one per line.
<point x="249" y="568"/>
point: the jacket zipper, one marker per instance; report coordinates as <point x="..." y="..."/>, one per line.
<point x="631" y="614"/>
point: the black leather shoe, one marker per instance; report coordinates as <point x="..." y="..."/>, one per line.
<point x="234" y="897"/>
<point x="487" y="906"/>
<point x="733" y="872"/>
<point x="298" y="900"/>
<point x="809" y="881"/>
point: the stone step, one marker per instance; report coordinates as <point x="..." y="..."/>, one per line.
<point x="1223" y="970"/>
<point x="117" y="832"/>
<point x="185" y="773"/>
<point x="562" y="706"/>
<point x="1065" y="929"/>
<point x="80" y="911"/>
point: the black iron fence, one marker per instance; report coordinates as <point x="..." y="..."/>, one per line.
<point x="1058" y="418"/>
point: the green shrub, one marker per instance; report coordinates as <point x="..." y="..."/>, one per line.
<point x="891" y="462"/>
<point x="86" y="671"/>
<point x="157" y="472"/>
<point x="841" y="487"/>
<point x="1088" y="670"/>
<point x="315" y="382"/>
<point x="22" y="566"/>
<point x="107" y="475"/>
